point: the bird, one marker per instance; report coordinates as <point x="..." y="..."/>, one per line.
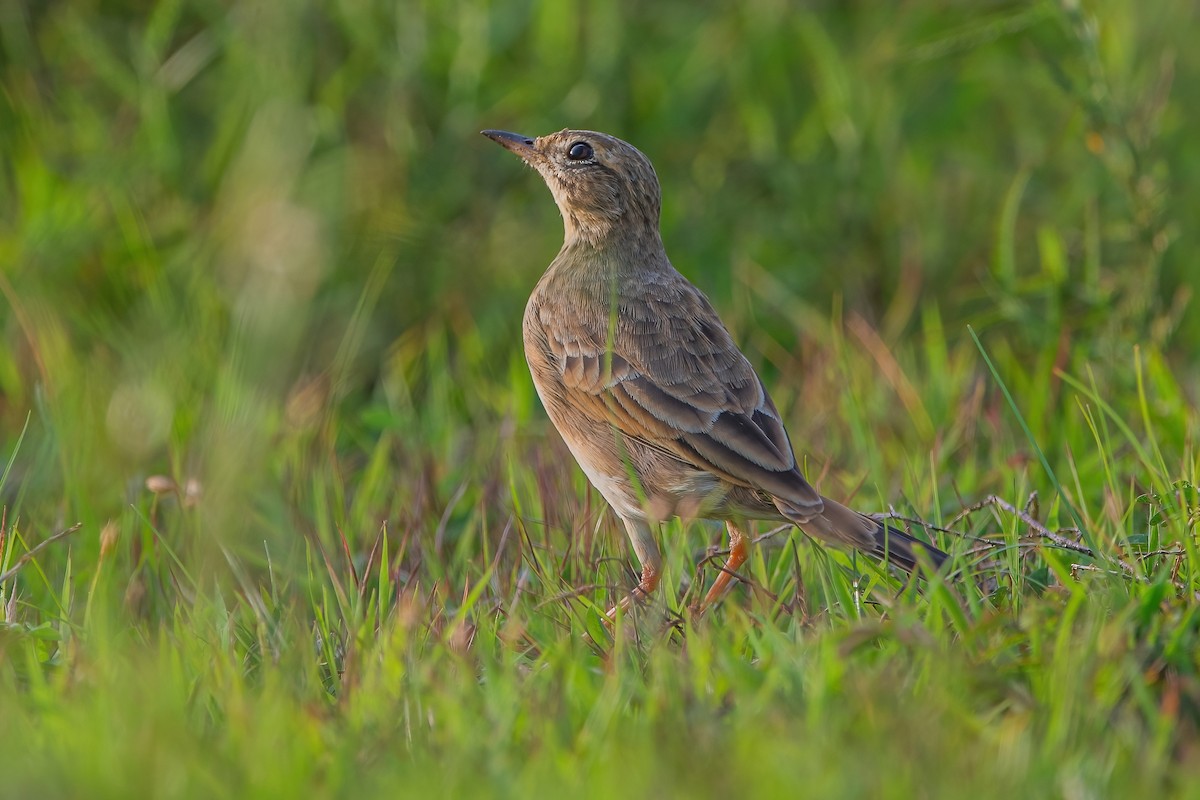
<point x="660" y="408"/>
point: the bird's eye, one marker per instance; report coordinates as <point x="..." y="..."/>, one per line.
<point x="580" y="151"/>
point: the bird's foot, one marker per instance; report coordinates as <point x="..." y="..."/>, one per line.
<point x="738" y="553"/>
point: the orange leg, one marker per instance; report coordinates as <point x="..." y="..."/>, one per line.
<point x="641" y="593"/>
<point x="641" y="536"/>
<point x="738" y="553"/>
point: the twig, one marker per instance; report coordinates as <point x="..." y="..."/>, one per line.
<point x="1038" y="528"/>
<point x="578" y="591"/>
<point x="771" y="534"/>
<point x="1176" y="552"/>
<point x="1078" y="568"/>
<point x="29" y="556"/>
<point x="895" y="515"/>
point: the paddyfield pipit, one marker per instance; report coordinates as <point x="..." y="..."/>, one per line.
<point x="644" y="383"/>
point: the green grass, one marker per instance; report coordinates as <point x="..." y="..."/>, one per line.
<point x="257" y="257"/>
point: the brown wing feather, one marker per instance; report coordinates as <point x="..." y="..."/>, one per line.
<point x="670" y="375"/>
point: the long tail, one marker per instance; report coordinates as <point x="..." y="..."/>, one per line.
<point x="841" y="525"/>
<point x="897" y="547"/>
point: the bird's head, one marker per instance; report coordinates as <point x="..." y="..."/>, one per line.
<point x="604" y="187"/>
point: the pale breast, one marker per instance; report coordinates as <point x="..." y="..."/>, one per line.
<point x="594" y="443"/>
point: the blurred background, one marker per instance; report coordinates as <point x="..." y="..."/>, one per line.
<point x="261" y="247"/>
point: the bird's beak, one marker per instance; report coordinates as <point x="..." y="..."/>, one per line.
<point x="521" y="145"/>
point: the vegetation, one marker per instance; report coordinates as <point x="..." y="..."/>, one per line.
<point x="262" y="285"/>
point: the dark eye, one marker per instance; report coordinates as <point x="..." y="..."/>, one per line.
<point x="580" y="151"/>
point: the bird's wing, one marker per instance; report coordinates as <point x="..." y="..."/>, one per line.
<point x="666" y="372"/>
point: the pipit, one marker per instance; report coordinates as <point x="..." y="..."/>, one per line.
<point x="644" y="383"/>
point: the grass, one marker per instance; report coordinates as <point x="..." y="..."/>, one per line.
<point x="261" y="288"/>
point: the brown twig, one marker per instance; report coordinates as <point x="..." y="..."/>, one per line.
<point x="1175" y="552"/>
<point x="771" y="534"/>
<point x="29" y="556"/>
<point x="1054" y="537"/>
<point x="577" y="592"/>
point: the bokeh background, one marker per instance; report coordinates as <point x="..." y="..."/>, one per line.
<point x="240" y="242"/>
<point x="261" y="283"/>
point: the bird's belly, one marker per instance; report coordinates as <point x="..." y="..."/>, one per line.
<point x="593" y="444"/>
<point x="638" y="481"/>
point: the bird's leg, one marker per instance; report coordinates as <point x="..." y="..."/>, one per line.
<point x="738" y="552"/>
<point x="640" y="594"/>
<point x="642" y="539"/>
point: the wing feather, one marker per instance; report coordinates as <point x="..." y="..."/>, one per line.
<point x="669" y="375"/>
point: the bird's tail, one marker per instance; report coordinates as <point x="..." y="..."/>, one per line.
<point x="897" y="547"/>
<point x="839" y="524"/>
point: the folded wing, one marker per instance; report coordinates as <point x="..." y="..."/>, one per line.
<point x="669" y="375"/>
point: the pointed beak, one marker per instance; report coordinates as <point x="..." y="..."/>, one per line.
<point x="521" y="145"/>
